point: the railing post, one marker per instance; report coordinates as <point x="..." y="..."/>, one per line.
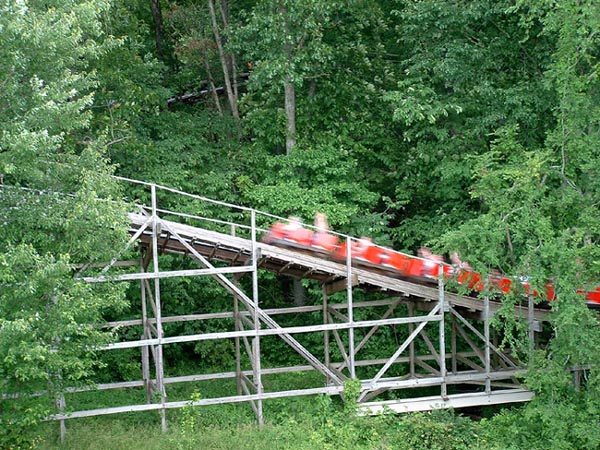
<point x="486" y="333"/>
<point x="256" y="340"/>
<point x="326" y="355"/>
<point x="350" y="308"/>
<point x="411" y="347"/>
<point x="159" y="363"/>
<point x="443" y="308"/>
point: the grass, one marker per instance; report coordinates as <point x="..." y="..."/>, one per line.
<point x="117" y="434"/>
<point x="208" y="427"/>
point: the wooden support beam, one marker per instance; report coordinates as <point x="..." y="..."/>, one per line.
<point x="165" y="241"/>
<point x="374" y="329"/>
<point x="340" y="285"/>
<point x="419" y="362"/>
<point x="471" y="343"/>
<point x="335" y="313"/>
<point x="466" y="361"/>
<point x="285" y="267"/>
<point x="214" y="250"/>
<point x="430" y="317"/>
<point x="480" y="336"/>
<point x="429" y="344"/>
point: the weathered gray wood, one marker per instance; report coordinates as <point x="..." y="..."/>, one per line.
<point x="486" y="343"/>
<point x="453" y="343"/>
<point x="451" y="401"/>
<point x="419" y="361"/>
<point x="229" y="286"/>
<point x="472" y="344"/>
<point x="374" y="329"/>
<point x="466" y="361"/>
<point x="340" y="285"/>
<point x="432" y="317"/>
<point x="460" y="378"/>
<point x="159" y="362"/>
<point x="442" y="328"/>
<point x="326" y="356"/>
<point x="256" y="362"/>
<point x="145" y="353"/>
<point x="222" y="375"/>
<point x="411" y="347"/>
<point x="268" y="332"/>
<point x="237" y="346"/>
<point x="243" y="255"/>
<point x="168" y="274"/>
<point x="479" y="335"/>
<point x="341" y="347"/>
<point x="335" y="313"/>
<point x="270" y="311"/>
<point x="429" y="344"/>
<point x="330" y="390"/>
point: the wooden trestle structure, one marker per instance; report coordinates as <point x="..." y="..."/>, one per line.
<point x="444" y="322"/>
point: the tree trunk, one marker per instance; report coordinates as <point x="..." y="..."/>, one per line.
<point x="224" y="7"/>
<point x="158" y="26"/>
<point x="290" y="112"/>
<point x="299" y="293"/>
<point x="230" y="95"/>
<point x="211" y="82"/>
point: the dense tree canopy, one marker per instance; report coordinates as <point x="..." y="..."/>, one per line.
<point x="471" y="126"/>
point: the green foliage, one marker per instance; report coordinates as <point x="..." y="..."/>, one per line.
<point x="472" y="126"/>
<point x="351" y="393"/>
<point x="287" y="38"/>
<point x="439" y="430"/>
<point x="188" y="426"/>
<point x="309" y="180"/>
<point x="47" y="335"/>
<point x="48" y="320"/>
<point x="544" y="425"/>
<point x="461" y="82"/>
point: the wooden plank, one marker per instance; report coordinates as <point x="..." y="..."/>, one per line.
<point x="168" y="274"/>
<point x="230" y="315"/>
<point x="330" y="390"/>
<point x="224" y="375"/>
<point x="340" y="285"/>
<point x="268" y="332"/>
<point x="451" y="401"/>
<point x="462" y="377"/>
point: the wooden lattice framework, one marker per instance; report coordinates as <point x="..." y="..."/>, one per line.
<point x="485" y="374"/>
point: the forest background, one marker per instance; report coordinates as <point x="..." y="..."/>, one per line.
<point x="463" y="125"/>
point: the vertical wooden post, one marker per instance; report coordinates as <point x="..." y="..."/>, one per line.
<point x="256" y="340"/>
<point x="486" y="333"/>
<point x="411" y="347"/>
<point x="350" y="308"/>
<point x="238" y="353"/>
<point x="236" y="340"/>
<point x="495" y="340"/>
<point x="327" y="356"/>
<point x="145" y="351"/>
<point x="158" y="314"/>
<point x="442" y="362"/>
<point x="453" y="345"/>
<point x="61" y="403"/>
